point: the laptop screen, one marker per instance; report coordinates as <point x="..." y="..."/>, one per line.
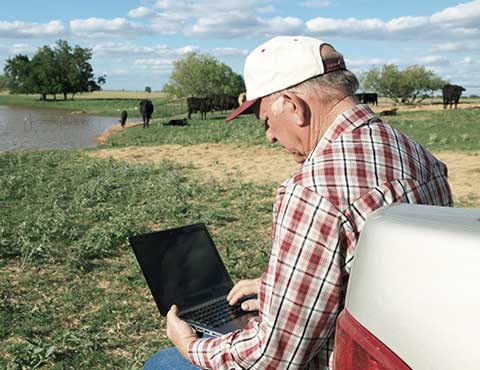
<point x="181" y="266"/>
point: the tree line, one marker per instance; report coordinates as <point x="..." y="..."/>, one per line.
<point x="202" y="75"/>
<point x="66" y="70"/>
<point x="62" y="69"/>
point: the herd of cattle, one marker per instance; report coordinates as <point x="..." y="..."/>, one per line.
<point x="221" y="102"/>
<point x="450" y="94"/>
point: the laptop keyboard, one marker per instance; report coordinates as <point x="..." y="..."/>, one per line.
<point x="215" y="313"/>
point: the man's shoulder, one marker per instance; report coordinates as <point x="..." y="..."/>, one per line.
<point x="362" y="159"/>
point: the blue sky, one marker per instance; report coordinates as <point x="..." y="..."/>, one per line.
<point x="135" y="42"/>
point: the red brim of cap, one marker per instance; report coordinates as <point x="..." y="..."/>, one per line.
<point x="241" y="109"/>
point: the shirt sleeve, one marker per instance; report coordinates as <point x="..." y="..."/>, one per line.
<point x="300" y="291"/>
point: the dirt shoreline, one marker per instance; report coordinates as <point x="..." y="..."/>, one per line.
<point x="100" y="139"/>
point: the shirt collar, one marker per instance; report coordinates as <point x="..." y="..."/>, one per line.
<point x="344" y="123"/>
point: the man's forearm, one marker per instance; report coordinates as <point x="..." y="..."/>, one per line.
<point x="182" y="346"/>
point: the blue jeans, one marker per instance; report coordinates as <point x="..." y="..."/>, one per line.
<point x="168" y="359"/>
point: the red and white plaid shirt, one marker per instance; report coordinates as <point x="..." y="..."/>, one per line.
<point x="359" y="165"/>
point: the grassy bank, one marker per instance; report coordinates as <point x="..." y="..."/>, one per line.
<point x="71" y="293"/>
<point x="102" y="103"/>
<point x="453" y="130"/>
<point x="246" y="130"/>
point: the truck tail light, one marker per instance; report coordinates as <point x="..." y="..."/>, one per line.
<point x="357" y="349"/>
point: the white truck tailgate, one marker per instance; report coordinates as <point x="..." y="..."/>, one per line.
<point x="415" y="284"/>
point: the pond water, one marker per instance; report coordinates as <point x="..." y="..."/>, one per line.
<point x="31" y="128"/>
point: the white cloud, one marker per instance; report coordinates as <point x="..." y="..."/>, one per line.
<point x="168" y="23"/>
<point x="19" y="29"/>
<point x="226" y="26"/>
<point x="154" y="64"/>
<point x="461" y="21"/>
<point x="130" y="49"/>
<point x="349" y="26"/>
<point x="101" y="27"/>
<point x="266" y="9"/>
<point x="245" y="26"/>
<point x="12" y="50"/>
<point x="365" y="63"/>
<point x="316" y="4"/>
<point x="228" y="7"/>
<point x="284" y="25"/>
<point x="166" y="4"/>
<point x="218" y="18"/>
<point x="402" y="24"/>
<point x="244" y="19"/>
<point x="470" y="60"/>
<point x="432" y="60"/>
<point x="229" y="52"/>
<point x="466" y="14"/>
<point x="187" y="49"/>
<point x="141" y="12"/>
<point x="456" y="46"/>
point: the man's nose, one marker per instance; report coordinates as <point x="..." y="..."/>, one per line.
<point x="270" y="137"/>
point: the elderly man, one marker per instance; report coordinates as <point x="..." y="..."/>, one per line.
<point x="351" y="163"/>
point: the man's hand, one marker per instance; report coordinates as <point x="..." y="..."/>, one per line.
<point x="242" y="289"/>
<point x="179" y="332"/>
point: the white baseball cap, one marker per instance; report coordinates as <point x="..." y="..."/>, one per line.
<point x="282" y="62"/>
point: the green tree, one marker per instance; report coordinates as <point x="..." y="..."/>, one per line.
<point x="101" y="80"/>
<point x="202" y="75"/>
<point x="76" y="73"/>
<point x="413" y="84"/>
<point x="62" y="69"/>
<point x="18" y="74"/>
<point x="44" y="67"/>
<point x="148" y="89"/>
<point x="3" y="83"/>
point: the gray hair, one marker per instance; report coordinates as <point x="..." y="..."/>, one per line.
<point x="326" y="85"/>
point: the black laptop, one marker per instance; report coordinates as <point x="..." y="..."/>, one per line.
<point x="183" y="267"/>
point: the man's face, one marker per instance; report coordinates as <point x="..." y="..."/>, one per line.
<point x="280" y="125"/>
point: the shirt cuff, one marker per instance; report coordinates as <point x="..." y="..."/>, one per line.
<point x="198" y="352"/>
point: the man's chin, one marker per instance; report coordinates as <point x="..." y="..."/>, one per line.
<point x="300" y="159"/>
<point x="297" y="157"/>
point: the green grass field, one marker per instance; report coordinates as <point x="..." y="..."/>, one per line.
<point x="455" y="130"/>
<point x="71" y="293"/>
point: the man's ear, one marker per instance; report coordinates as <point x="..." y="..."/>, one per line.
<point x="297" y="106"/>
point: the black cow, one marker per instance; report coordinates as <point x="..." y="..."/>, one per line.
<point x="146" y="109"/>
<point x="367" y="98"/>
<point x="451" y="94"/>
<point x="123" y="118"/>
<point x="389" y="112"/>
<point x="222" y="102"/>
<point x="202" y="105"/>
<point x="226" y="102"/>
<point x="176" y="122"/>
